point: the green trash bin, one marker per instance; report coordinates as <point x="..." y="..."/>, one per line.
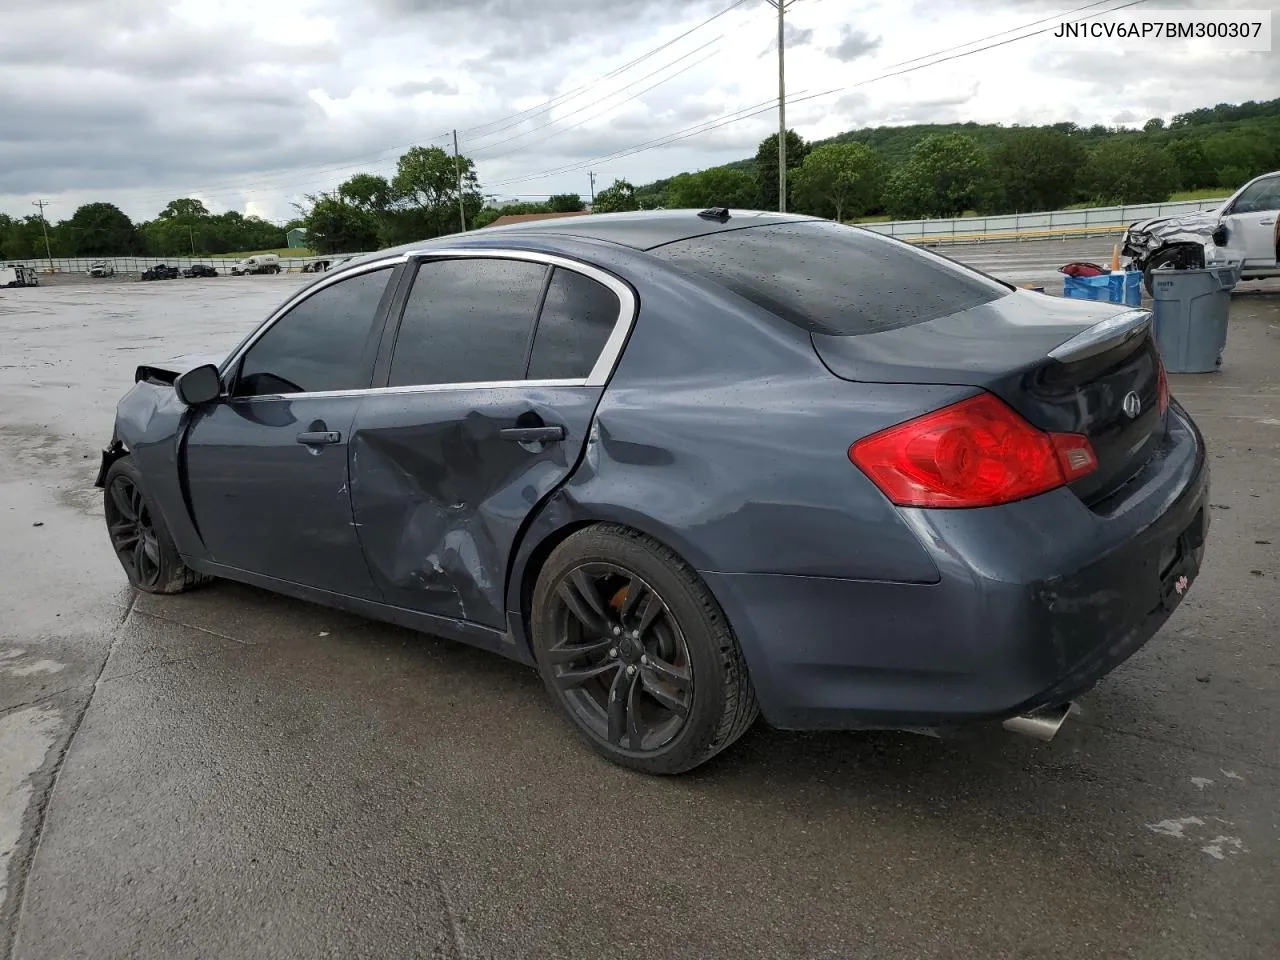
<point x="1191" y="309"/>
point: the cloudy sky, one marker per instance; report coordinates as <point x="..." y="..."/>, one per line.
<point x="250" y="104"/>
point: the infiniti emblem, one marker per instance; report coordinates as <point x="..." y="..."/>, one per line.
<point x="1132" y="405"/>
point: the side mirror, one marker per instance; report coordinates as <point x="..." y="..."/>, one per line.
<point x="1220" y="236"/>
<point x="199" y="385"/>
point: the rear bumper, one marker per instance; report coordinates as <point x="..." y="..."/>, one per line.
<point x="1037" y="601"/>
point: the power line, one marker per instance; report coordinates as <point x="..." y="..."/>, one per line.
<point x="359" y="161"/>
<point x="555" y="101"/>
<point x="556" y="133"/>
<point x="748" y="112"/>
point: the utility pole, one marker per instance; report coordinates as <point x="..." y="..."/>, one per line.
<point x="782" y="107"/>
<point x="457" y="169"/>
<point x="44" y="225"/>
<point x="593" y="187"/>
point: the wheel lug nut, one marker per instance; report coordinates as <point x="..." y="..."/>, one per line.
<point x="631" y="670"/>
<point x="635" y="634"/>
<point x="617" y="631"/>
<point x="613" y="651"/>
<point x="645" y="661"/>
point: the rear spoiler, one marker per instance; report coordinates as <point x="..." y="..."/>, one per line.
<point x="1103" y="336"/>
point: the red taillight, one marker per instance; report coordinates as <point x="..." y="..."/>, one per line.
<point x="1162" y="386"/>
<point x="975" y="453"/>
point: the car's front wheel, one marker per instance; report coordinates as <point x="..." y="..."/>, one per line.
<point x="637" y="653"/>
<point x="139" y="536"/>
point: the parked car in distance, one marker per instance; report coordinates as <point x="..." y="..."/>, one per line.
<point x="1243" y="230"/>
<point x="102" y="268"/>
<point x="200" y="270"/>
<point x="258" y="263"/>
<point x="160" y="271"/>
<point x="315" y="266"/>
<point x="690" y="466"/>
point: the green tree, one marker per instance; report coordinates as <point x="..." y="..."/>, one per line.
<point x="426" y="184"/>
<point x="566" y="203"/>
<point x="99" y="230"/>
<point x="367" y="191"/>
<point x="1153" y="125"/>
<point x="336" y="225"/>
<point x="1129" y="170"/>
<point x="618" y="198"/>
<point x="767" y="167"/>
<point x="1195" y="170"/>
<point x="839" y="179"/>
<point x="717" y="187"/>
<point x="184" y="210"/>
<point x="1035" y="169"/>
<point x="941" y="178"/>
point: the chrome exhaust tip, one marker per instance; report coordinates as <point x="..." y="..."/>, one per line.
<point x="1042" y="725"/>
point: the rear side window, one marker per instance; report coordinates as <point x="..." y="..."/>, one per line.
<point x="324" y="343"/>
<point x="576" y="320"/>
<point x="467" y="321"/>
<point x="833" y="279"/>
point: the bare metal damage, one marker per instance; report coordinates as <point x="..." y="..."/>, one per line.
<point x="1147" y="236"/>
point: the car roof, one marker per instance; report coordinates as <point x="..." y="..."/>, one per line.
<point x="641" y="230"/>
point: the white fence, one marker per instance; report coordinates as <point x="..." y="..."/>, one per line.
<point x="136" y="265"/>
<point x="1095" y="221"/>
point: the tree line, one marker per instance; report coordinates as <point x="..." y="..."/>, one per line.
<point x="902" y="172"/>
<point x="184" y="228"/>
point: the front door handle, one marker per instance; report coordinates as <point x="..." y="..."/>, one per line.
<point x="316" y="438"/>
<point x="1266" y="223"/>
<point x="532" y="434"/>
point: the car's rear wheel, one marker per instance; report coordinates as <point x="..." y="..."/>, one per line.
<point x="637" y="653"/>
<point x="139" y="536"/>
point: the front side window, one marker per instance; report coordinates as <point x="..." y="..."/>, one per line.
<point x="1259" y="197"/>
<point x="467" y="320"/>
<point x="324" y="343"/>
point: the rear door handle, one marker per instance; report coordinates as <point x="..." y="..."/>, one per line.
<point x="319" y="437"/>
<point x="1266" y="223"/>
<point x="532" y="434"/>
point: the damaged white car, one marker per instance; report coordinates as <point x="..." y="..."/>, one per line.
<point x="1243" y="229"/>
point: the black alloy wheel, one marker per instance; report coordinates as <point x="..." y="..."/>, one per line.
<point x="132" y="532"/>
<point x="637" y="653"/>
<point x="139" y="536"/>
<point x="622" y="660"/>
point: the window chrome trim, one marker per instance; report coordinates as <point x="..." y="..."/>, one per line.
<point x="627" y="301"/>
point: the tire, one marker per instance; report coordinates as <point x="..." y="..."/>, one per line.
<point x="1180" y="256"/>
<point x="138" y="535"/>
<point x="676" y="673"/>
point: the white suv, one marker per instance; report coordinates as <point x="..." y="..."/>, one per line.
<point x="1242" y="230"/>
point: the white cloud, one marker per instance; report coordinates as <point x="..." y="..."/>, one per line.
<point x="140" y="101"/>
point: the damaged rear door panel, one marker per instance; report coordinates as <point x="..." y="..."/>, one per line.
<point x="440" y="488"/>
<point x="492" y="377"/>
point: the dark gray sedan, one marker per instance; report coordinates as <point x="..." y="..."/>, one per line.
<point x="694" y="467"/>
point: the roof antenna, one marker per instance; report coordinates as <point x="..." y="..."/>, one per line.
<point x="715" y="213"/>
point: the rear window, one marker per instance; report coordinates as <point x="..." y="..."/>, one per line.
<point x="833" y="279"/>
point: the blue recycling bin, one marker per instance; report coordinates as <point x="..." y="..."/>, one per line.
<point x="1124" y="287"/>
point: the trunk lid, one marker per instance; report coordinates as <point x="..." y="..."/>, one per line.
<point x="1067" y="366"/>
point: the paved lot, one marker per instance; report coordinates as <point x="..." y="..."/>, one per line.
<point x="228" y="774"/>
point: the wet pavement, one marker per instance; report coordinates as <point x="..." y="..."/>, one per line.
<point x="230" y="774"/>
